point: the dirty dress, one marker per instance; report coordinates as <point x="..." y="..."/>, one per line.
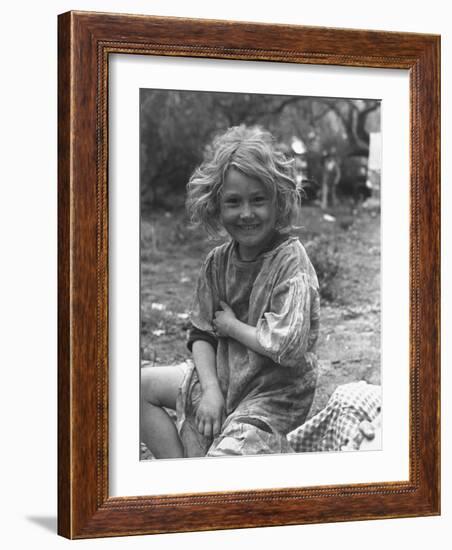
<point x="265" y="396"/>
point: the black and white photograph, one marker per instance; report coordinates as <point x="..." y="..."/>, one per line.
<point x="224" y="227"/>
<point x="259" y="274"/>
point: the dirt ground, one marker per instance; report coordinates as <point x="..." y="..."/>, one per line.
<point x="349" y="343"/>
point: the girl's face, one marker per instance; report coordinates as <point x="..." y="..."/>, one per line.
<point x="248" y="213"/>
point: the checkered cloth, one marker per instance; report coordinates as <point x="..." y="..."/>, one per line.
<point x="337" y="425"/>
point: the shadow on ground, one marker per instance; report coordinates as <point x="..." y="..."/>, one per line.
<point x="49" y="523"/>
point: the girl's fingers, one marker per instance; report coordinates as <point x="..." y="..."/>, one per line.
<point x="216" y="428"/>
<point x="224" y="305"/>
<point x="210" y="427"/>
<point x="207" y="428"/>
<point x="201" y="427"/>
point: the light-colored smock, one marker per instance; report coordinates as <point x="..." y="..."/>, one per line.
<point x="278" y="294"/>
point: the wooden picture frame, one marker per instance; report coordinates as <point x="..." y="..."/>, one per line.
<point x="85" y="42"/>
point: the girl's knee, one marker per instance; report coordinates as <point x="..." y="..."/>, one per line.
<point x="147" y="384"/>
<point x="160" y="385"/>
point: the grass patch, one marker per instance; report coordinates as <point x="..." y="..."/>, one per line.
<point x="324" y="255"/>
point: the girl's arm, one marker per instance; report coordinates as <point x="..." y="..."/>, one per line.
<point x="227" y="324"/>
<point x="204" y="358"/>
<point x="282" y="335"/>
<point x="210" y="414"/>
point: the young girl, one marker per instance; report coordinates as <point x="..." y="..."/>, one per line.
<point x="255" y="315"/>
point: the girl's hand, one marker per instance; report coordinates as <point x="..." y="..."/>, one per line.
<point x="210" y="415"/>
<point x="223" y="320"/>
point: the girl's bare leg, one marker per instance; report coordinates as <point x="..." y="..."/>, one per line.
<point x="159" y="388"/>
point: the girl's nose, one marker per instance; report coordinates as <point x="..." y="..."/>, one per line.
<point x="246" y="211"/>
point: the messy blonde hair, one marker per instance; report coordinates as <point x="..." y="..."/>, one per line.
<point x="251" y="151"/>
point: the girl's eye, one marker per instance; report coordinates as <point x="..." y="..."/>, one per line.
<point x="231" y="202"/>
<point x="259" y="200"/>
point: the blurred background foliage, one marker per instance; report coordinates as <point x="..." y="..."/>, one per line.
<point x="176" y="126"/>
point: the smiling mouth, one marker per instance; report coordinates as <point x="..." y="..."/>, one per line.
<point x="249" y="227"/>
